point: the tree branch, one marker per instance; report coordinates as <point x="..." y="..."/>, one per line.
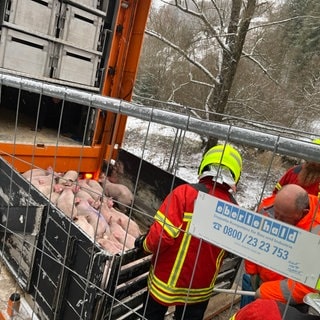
<point x="203" y="18"/>
<point x="264" y="70"/>
<point x="182" y="53"/>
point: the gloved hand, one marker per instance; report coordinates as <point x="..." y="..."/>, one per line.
<point x="255" y="281"/>
<point x="138" y="243"/>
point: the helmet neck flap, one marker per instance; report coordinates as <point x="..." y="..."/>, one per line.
<point x="219" y="174"/>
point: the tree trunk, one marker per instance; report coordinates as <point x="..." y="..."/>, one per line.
<point x="237" y="30"/>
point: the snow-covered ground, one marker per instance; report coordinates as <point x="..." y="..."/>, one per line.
<point x="160" y="145"/>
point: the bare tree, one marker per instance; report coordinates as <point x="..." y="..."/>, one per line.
<point x="221" y="27"/>
<point x="229" y="60"/>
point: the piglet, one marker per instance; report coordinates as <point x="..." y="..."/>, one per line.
<point x="94" y="217"/>
<point x="68" y="178"/>
<point x="82" y="222"/>
<point x="66" y="202"/>
<point x="34" y="173"/>
<point x="95" y="185"/>
<point x="122" y="219"/>
<point x="44" y="184"/>
<point x="119" y="192"/>
<point x="60" y="187"/>
<point x="94" y="192"/>
<point x="109" y="245"/>
<point x="83" y="195"/>
<point x="121" y="235"/>
<point x="53" y="196"/>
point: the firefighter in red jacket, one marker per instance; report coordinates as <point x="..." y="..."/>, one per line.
<point x="306" y="175"/>
<point x="184" y="268"/>
<point x="292" y="205"/>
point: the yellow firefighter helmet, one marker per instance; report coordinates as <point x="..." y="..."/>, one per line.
<point x="223" y="155"/>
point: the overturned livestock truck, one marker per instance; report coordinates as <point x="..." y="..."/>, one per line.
<point x="68" y="275"/>
<point x="65" y="273"/>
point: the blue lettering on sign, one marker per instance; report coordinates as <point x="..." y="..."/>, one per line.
<point x="275" y="229"/>
<point x="258" y="222"/>
<point x="249" y="218"/>
<point x="284" y="232"/>
<point x="234" y="213"/>
<point x="266" y="226"/>
<point x="227" y="210"/>
<point x="219" y="208"/>
<point x="242" y="216"/>
<point x="292" y="235"/>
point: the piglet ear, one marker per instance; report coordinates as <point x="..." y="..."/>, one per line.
<point x="50" y="169"/>
<point x="58" y="188"/>
<point x="102" y="175"/>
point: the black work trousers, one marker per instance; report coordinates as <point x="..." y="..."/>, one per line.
<point x="157" y="311"/>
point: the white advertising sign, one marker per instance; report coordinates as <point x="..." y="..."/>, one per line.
<point x="288" y="250"/>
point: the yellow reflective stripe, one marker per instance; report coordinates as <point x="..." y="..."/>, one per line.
<point x="181" y="255"/>
<point x="278" y="186"/>
<point x="145" y="247"/>
<point x="170" y="295"/>
<point x="318" y="284"/>
<point x="168" y="292"/>
<point x="167" y="225"/>
<point x="218" y="263"/>
<point x="187" y="217"/>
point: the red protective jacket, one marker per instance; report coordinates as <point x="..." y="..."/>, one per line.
<point x="183" y="268"/>
<point x="275" y="286"/>
<point x="291" y="176"/>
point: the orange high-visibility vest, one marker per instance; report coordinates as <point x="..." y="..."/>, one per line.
<point x="276" y="286"/>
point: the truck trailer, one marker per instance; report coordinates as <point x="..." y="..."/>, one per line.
<point x="93" y="45"/>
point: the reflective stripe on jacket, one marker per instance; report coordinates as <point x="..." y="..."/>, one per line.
<point x="183" y="268"/>
<point x="291" y="176"/>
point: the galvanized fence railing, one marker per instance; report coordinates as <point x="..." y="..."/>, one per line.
<point x="290" y="146"/>
<point x="69" y="275"/>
